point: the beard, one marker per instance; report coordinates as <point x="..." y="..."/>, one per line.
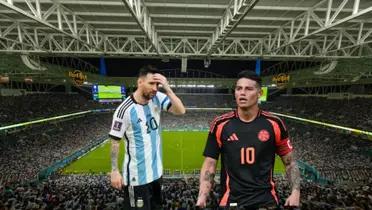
<point x="147" y="96"/>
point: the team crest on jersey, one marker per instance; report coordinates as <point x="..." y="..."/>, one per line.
<point x="117" y="126"/>
<point x="263" y="135"/>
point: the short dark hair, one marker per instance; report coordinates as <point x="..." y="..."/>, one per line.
<point x="250" y="75"/>
<point x="148" y="69"/>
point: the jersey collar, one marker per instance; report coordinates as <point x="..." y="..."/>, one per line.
<point x="237" y="115"/>
<point x="134" y="100"/>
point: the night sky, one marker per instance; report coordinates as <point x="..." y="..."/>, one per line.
<point x="124" y="67"/>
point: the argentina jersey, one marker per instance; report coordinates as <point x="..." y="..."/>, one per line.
<point x="139" y="125"/>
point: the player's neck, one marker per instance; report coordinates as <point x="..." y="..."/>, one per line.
<point x="248" y="114"/>
<point x="138" y="97"/>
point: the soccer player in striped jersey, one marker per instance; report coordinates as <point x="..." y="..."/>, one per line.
<point x="137" y="120"/>
<point x="247" y="140"/>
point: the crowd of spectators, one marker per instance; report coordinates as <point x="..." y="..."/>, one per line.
<point x="95" y="192"/>
<point x="355" y="113"/>
<point x="338" y="157"/>
<point x="26" y="152"/>
<point x="316" y="196"/>
<point x="63" y="192"/>
<point x="16" y="109"/>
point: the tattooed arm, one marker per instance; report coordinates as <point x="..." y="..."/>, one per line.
<point x="293" y="175"/>
<point x="206" y="180"/>
<point x="116" y="178"/>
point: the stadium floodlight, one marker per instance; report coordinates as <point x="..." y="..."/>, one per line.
<point x="207" y="62"/>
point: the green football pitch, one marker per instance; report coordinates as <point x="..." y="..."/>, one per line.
<point x="182" y="150"/>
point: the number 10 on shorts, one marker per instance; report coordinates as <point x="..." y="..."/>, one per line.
<point x="247" y="155"/>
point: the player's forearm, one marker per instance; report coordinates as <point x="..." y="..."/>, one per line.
<point x="114" y="155"/>
<point x="292" y="171"/>
<point x="207" y="177"/>
<point x="294" y="177"/>
<point x="205" y="184"/>
<point x="177" y="105"/>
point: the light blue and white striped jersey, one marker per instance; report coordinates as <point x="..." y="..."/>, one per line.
<point x="139" y="125"/>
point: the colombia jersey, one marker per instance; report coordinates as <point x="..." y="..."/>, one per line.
<point x="247" y="156"/>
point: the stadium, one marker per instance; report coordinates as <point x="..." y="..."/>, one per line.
<point x="66" y="66"/>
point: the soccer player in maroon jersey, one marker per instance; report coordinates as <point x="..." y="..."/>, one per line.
<point x="247" y="140"/>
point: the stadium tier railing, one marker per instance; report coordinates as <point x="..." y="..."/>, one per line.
<point x="348" y="130"/>
<point x="309" y="173"/>
<point x="45" y="173"/>
<point x="49" y="119"/>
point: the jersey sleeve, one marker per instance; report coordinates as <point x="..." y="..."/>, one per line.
<point x="211" y="148"/>
<point x="119" y="125"/>
<point x="282" y="141"/>
<point x="163" y="101"/>
<point x="213" y="145"/>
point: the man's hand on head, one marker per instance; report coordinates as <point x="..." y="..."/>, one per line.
<point x="162" y="80"/>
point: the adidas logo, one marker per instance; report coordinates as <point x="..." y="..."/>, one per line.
<point x="233" y="137"/>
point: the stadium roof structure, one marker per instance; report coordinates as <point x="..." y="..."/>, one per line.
<point x="205" y="29"/>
